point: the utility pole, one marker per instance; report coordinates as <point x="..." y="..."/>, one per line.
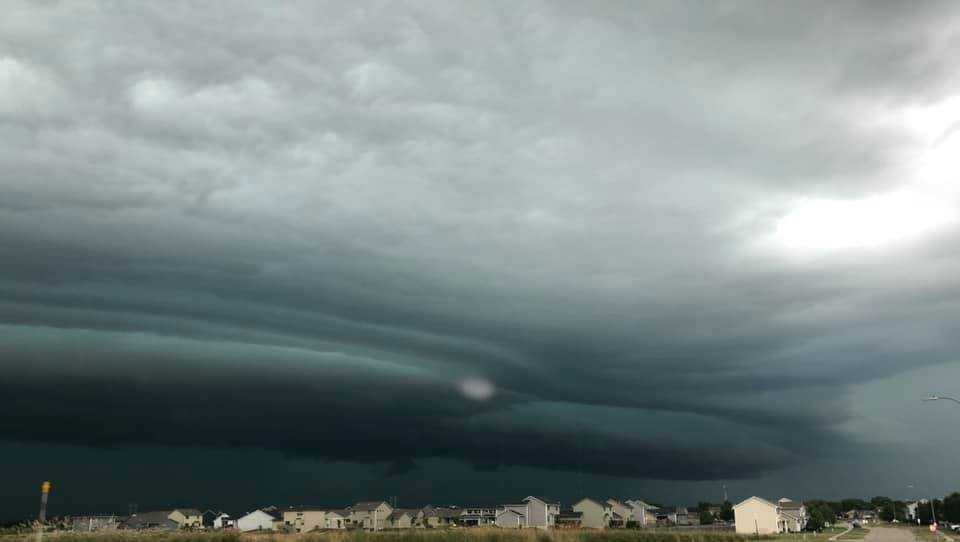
<point x="44" y="493"/>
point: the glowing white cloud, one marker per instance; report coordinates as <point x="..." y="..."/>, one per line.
<point x="825" y="224"/>
<point x="477" y="389"/>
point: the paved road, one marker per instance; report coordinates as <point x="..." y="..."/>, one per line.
<point x="888" y="534"/>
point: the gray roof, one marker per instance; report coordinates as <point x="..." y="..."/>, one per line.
<point x="412" y="512"/>
<point x="148" y="519"/>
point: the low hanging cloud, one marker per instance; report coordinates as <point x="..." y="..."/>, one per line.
<point x="538" y="235"/>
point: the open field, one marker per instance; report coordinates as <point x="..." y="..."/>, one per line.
<point x="452" y="535"/>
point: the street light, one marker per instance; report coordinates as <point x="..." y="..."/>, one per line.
<point x="943" y="398"/>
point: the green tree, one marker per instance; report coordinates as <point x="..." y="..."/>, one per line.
<point x="726" y="511"/>
<point x="950" y="509"/>
<point x="706" y="518"/>
<point x="816" y="521"/>
<point x="887" y="512"/>
<point x="880" y="502"/>
<point x="853" y="504"/>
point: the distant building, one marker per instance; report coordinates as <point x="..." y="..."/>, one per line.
<point x="336" y="519"/>
<point x="402" y="518"/>
<point x="477" y="516"/>
<point x="621" y="513"/>
<point x="760" y="516"/>
<point x="594" y="514"/>
<point x="158" y="520"/>
<point x="264" y="519"/>
<point x="95" y="523"/>
<point x="304" y="519"/>
<point x="642" y="513"/>
<point x="440" y="516"/>
<point x="371" y="515"/>
<point x="511" y="516"/>
<point x="569" y="519"/>
<point x="187" y="518"/>
<point x="223" y="520"/>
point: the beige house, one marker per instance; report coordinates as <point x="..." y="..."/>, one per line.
<point x="336" y="519"/>
<point x="511" y="516"/>
<point x="304" y="520"/>
<point x="187" y="518"/>
<point x="403" y="518"/>
<point x="641" y="513"/>
<point x="371" y="515"/>
<point x="760" y="516"/>
<point x="621" y="513"/>
<point x="593" y="514"/>
<point x="440" y="516"/>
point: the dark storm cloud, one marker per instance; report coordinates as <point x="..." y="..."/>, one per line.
<point x="315" y="228"/>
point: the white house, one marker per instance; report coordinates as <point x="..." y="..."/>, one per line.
<point x="760" y="516"/>
<point x="640" y="512"/>
<point x="258" y="520"/>
<point x="511" y="516"/>
<point x="336" y="519"/>
<point x="223" y="521"/>
<point x="541" y="513"/>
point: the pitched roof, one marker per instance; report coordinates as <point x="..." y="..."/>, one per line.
<point x="541" y="499"/>
<point x="597" y="502"/>
<point x="368" y="506"/>
<point x="156" y="517"/>
<point x="401" y="511"/>
<point x="754" y="498"/>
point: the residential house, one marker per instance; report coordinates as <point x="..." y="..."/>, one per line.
<point x="223" y="521"/>
<point x="569" y="519"/>
<point x="511" y="516"/>
<point x="594" y="514"/>
<point x="187" y="518"/>
<point x="541" y="513"/>
<point x="476" y="516"/>
<point x="156" y="520"/>
<point x="370" y="515"/>
<point x="402" y="518"/>
<point x="621" y="513"/>
<point x="673" y="515"/>
<point x="794" y="514"/>
<point x="207" y="517"/>
<point x="304" y="519"/>
<point x="759" y="516"/>
<point x="336" y="519"/>
<point x="263" y="519"/>
<point x="95" y="523"/>
<point x="912" y="508"/>
<point x="434" y="517"/>
<point x="641" y="513"/>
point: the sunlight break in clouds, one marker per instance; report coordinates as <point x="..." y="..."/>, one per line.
<point x="824" y="224"/>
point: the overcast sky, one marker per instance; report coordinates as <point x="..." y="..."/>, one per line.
<point x="466" y="252"/>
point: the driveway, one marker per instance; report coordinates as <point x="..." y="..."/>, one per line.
<point x="889" y="534"/>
